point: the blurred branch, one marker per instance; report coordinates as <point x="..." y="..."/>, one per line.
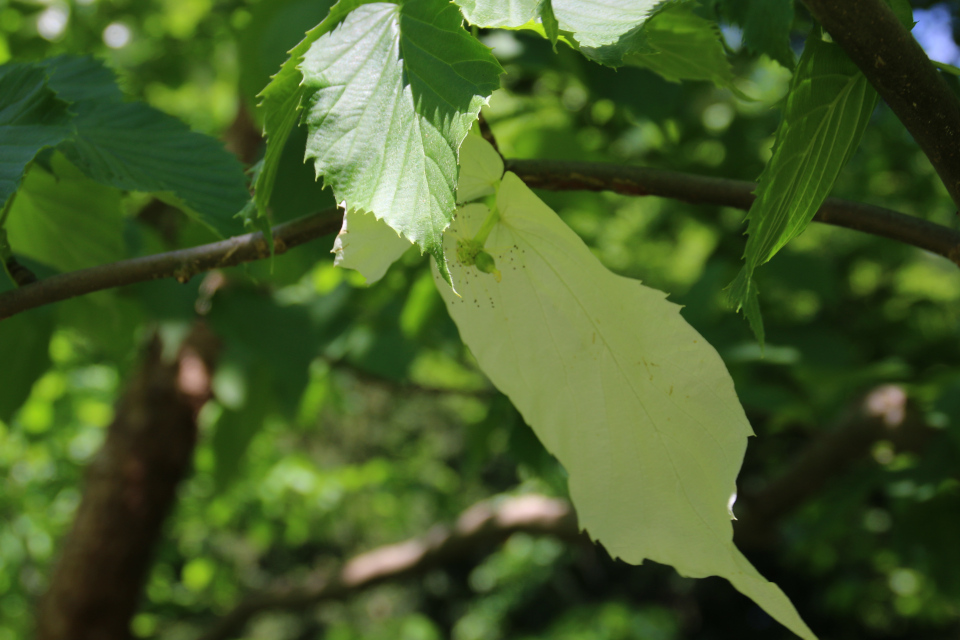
<point x="883" y="414"/>
<point x="558" y="175"/>
<point x="482" y="526"/>
<point x="182" y="264"/>
<point x="900" y="70"/>
<point x="554" y="175"/>
<point x="130" y="488"/>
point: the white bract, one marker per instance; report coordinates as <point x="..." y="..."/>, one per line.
<point x="634" y="403"/>
<point x="367" y="245"/>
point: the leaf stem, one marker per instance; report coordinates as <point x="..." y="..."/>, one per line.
<point x="487" y="226"/>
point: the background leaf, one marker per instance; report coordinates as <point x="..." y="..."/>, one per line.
<point x="32" y="118"/>
<point x="132" y="146"/>
<point x="24" y="354"/>
<point x="766" y="26"/>
<point x="65" y="220"/>
<point x="679" y="44"/>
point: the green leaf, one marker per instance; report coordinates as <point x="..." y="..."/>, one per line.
<point x="602" y="30"/>
<point x="282" y="101"/>
<point x="25" y="354"/>
<point x="679" y="45"/>
<point x="824" y="117"/>
<point x="66" y="220"/>
<point x="384" y="127"/>
<point x="766" y="26"/>
<point x="132" y="146"/>
<point x="599" y="23"/>
<point x="32" y="118"/>
<point x="634" y="403"/>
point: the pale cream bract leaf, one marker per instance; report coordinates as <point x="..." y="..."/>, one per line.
<point x="367" y="245"/>
<point x="481" y="168"/>
<point x="635" y="404"/>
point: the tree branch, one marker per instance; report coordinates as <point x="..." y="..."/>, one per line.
<point x="182" y="264"/>
<point x="541" y="174"/>
<point x="899" y="69"/>
<point x="558" y="175"/>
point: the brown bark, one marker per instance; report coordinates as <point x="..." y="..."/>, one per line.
<point x="900" y="70"/>
<point x="130" y="488"/>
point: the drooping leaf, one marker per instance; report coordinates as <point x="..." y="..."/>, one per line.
<point x="132" y="146"/>
<point x="678" y="44"/>
<point x="823" y="120"/>
<point x="32" y="118"/>
<point x="391" y="93"/>
<point x="282" y="101"/>
<point x="66" y="220"/>
<point x="481" y="168"/>
<point x="766" y="26"/>
<point x="633" y="402"/>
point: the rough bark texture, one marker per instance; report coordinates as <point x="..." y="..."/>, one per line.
<point x="900" y="70"/>
<point x="130" y="488"/>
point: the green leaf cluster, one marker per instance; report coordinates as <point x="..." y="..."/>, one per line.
<point x="73" y="104"/>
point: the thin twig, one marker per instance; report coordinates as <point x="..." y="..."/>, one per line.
<point x="182" y="264"/>
<point x="556" y="175"/>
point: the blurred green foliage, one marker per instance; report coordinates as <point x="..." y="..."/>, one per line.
<point x="348" y="417"/>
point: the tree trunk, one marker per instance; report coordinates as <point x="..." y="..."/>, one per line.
<point x="130" y="488"/>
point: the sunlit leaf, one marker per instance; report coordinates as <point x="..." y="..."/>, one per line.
<point x="602" y="30"/>
<point x="392" y="92"/>
<point x="634" y="403"/>
<point x="282" y="101"/>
